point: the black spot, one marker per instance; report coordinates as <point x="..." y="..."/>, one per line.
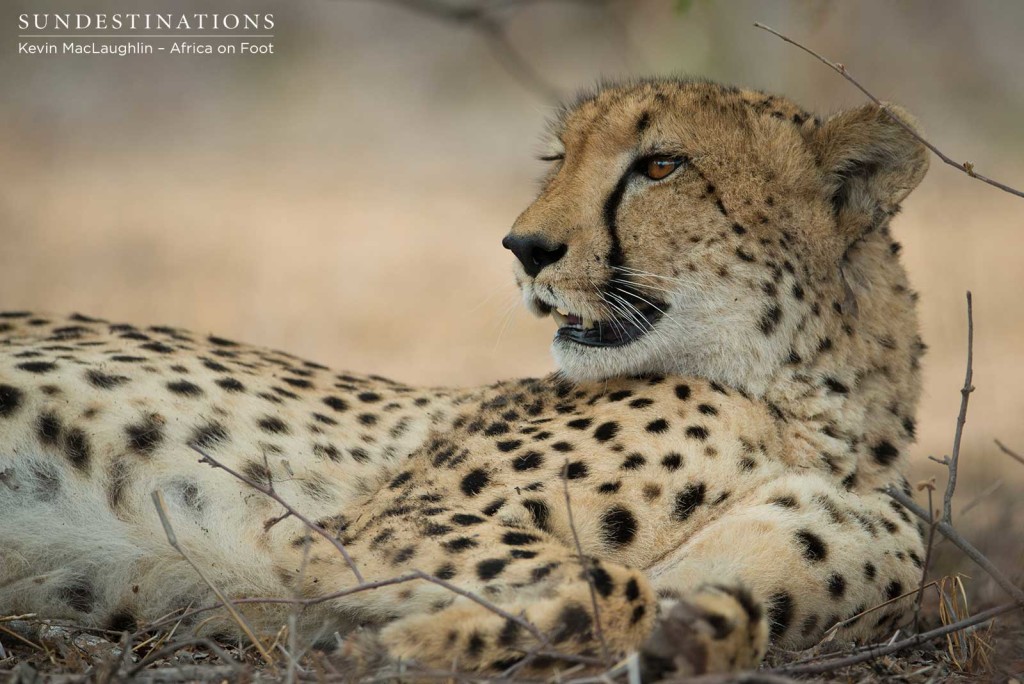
<point x="784" y="501"/>
<point x="368" y="397"/>
<point x="632" y="589"/>
<point x="780" y="614"/>
<point x="123" y="358"/>
<point x="744" y="256"/>
<point x="643" y="122"/>
<point x="697" y="432"/>
<point x="493" y="507"/>
<point x="531" y="460"/>
<point x="640" y="403"/>
<point x="336" y="403"/>
<point x="572" y="622"/>
<point x="79" y="595"/>
<point x="579" y="423"/>
<point x="893" y="589"/>
<point x="509" y="445"/>
<point x="404" y="555"/>
<point x="672" y="461"/>
<point x="104" y="381"/>
<point x="400" y="480"/>
<point x="496" y="428"/>
<point x="708" y="410"/>
<point x="49" y="428"/>
<point x="230" y="384"/>
<point x="490" y="568"/>
<point x="273" y="425"/>
<point x="445" y="572"/>
<point x="577" y="470"/>
<point x="540" y="513"/>
<point x="688" y="500"/>
<point x="122" y="621"/>
<point x="39" y="367"/>
<point x="476" y="645"/>
<point x="683" y="392"/>
<point x="158" y="347"/>
<point x="812" y="547"/>
<point x="219" y="367"/>
<point x="474" y="482"/>
<point x="77" y="449"/>
<point x="509" y="633"/>
<point x="618" y="526"/>
<point x="836" y="386"/>
<point x="738" y="229"/>
<point x="257" y="472"/>
<point x="770" y="319"/>
<point x="367" y="419"/>
<point x="144" y="437"/>
<point x="609" y="487"/>
<point x="220" y="341"/>
<point x="10" y="400"/>
<point x="836" y="585"/>
<point x="606" y="431"/>
<point x="185" y="388"/>
<point x="602" y="581"/>
<point x="657" y="426"/>
<point x="633" y="462"/>
<point x="207" y="436"/>
<point x="885" y="453"/>
<point x="519" y="538"/>
<point x="870" y="572"/>
<point x="459" y="544"/>
<point x="620" y="395"/>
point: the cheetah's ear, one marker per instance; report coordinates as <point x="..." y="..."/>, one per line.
<point x="871" y="162"/>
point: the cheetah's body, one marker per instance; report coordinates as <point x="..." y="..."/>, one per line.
<point x="760" y="477"/>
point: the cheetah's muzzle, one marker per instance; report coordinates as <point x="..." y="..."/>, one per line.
<point x="636" y="321"/>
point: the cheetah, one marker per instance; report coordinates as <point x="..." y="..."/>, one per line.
<point x="738" y="373"/>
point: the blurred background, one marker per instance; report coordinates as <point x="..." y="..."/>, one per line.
<point x="345" y="198"/>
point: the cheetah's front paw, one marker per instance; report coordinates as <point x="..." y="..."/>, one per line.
<point x="715" y="629"/>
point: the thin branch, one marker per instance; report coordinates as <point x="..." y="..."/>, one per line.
<point x="952" y="535"/>
<point x="966" y="167"/>
<point x="881" y="650"/>
<point x="961" y="419"/>
<point x="927" y="559"/>
<point x="482" y="18"/>
<point x="1009" y="452"/>
<point x="172" y="539"/>
<point x="583" y="563"/>
<point x="269" y="491"/>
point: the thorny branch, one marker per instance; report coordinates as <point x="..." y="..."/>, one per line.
<point x="885" y="649"/>
<point x="172" y="539"/>
<point x="584" y="563"/>
<point x="961" y="419"/>
<point x="966" y="167"/>
<point x="269" y="491"/>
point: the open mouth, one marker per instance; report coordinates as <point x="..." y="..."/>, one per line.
<point x="613" y="332"/>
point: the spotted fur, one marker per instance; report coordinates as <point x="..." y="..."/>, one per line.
<point x="724" y="469"/>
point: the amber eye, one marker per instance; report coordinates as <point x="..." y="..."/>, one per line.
<point x="657" y="168"/>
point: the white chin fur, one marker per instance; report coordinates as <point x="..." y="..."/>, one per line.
<point x="588" y="364"/>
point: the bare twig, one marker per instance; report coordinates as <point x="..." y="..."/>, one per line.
<point x="927" y="558"/>
<point x="583" y="563"/>
<point x="483" y="17"/>
<point x="881" y="650"/>
<point x="1009" y="452"/>
<point x="269" y="491"/>
<point x="172" y="539"/>
<point x="952" y="535"/>
<point x="966" y="167"/>
<point x="961" y="419"/>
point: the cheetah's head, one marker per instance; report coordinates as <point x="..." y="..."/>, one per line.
<point x="691" y="228"/>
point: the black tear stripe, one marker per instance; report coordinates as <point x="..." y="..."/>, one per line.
<point x="611" y="210"/>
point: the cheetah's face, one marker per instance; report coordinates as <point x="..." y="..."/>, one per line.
<point x="688" y="227"/>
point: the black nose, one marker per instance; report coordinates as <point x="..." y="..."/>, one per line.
<point x="535" y="252"/>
